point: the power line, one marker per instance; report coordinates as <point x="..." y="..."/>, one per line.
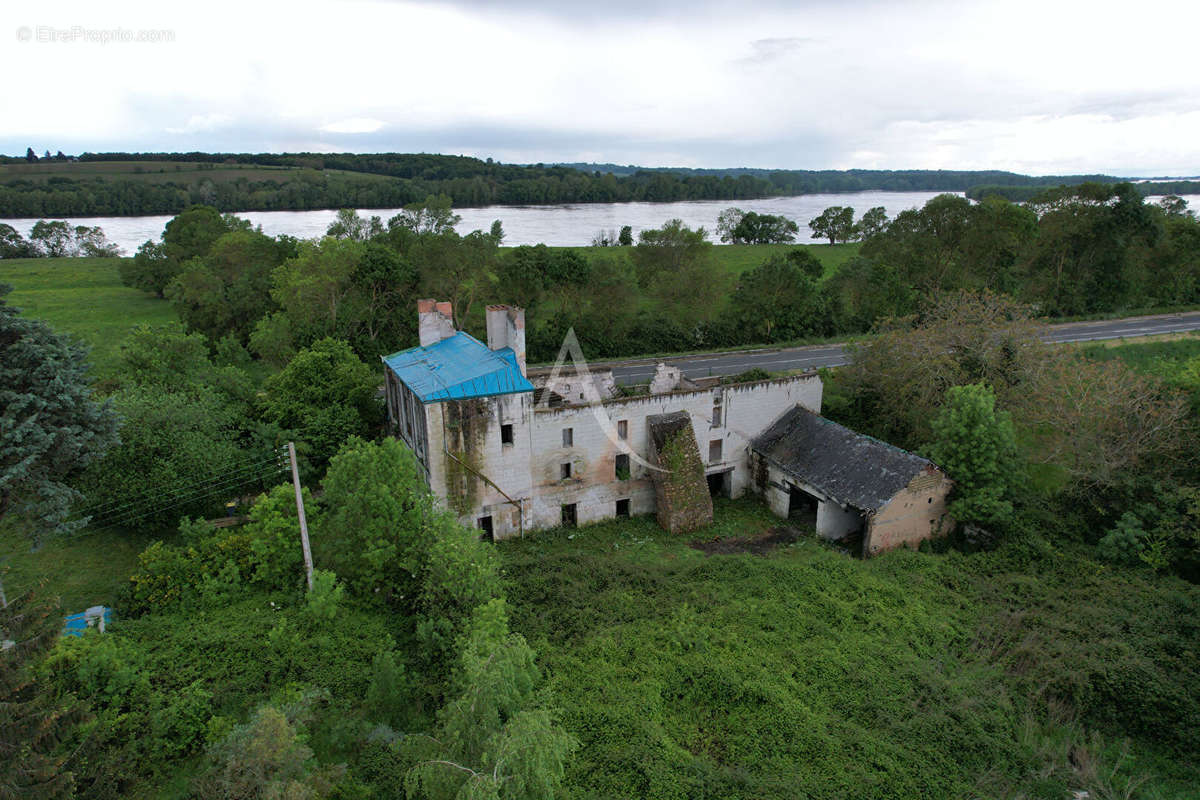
<point x="146" y="499"/>
<point x="207" y="489"/>
<point x="279" y="458"/>
<point x="128" y="510"/>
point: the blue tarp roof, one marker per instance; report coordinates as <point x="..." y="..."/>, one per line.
<point x="458" y="368"/>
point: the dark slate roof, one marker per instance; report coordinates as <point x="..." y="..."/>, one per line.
<point x="849" y="468"/>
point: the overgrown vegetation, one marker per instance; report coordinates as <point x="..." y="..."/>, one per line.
<point x="1047" y="647"/>
<point x="1024" y="672"/>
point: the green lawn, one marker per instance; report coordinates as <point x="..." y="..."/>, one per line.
<point x="84" y="297"/>
<point x="807" y="673"/>
<point x="734" y="259"/>
<point x="88" y="569"/>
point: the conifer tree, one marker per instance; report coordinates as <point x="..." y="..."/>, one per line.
<point x="31" y="721"/>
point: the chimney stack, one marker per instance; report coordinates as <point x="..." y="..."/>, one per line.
<point x="435" y="321"/>
<point x="506" y="328"/>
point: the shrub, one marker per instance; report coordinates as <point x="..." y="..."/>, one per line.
<point x="325" y="596"/>
<point x="1125" y="542"/>
<point x="379" y="523"/>
<point x="389" y="693"/>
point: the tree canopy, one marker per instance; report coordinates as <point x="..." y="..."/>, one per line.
<point x="51" y="426"/>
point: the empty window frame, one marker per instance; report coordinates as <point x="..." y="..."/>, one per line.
<point x="506" y="434"/>
<point x="485" y="528"/>
<point x="569" y="518"/>
<point x="623" y="429"/>
<point x="568" y="437"/>
<point x="564" y="470"/>
<point x="714" y="451"/>
<point x="623" y="508"/>
<point x="622" y="467"/>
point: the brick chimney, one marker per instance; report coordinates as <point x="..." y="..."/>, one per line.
<point x="506" y="328"/>
<point x="435" y="321"/>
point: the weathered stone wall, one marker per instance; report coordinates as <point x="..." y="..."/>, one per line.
<point x="681" y="498"/>
<point x="529" y="469"/>
<point x="917" y="512"/>
<point x="746" y="410"/>
<point x="479" y="445"/>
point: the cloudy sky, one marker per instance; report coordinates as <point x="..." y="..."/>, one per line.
<point x="1042" y="87"/>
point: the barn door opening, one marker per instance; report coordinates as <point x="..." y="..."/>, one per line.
<point x="802" y="507"/>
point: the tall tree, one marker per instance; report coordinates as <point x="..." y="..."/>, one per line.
<point x="13" y="245"/>
<point x="32" y="721"/>
<point x="777" y="300"/>
<point x="755" y="228"/>
<point x="872" y="223"/>
<point x="51" y="428"/>
<point x="349" y="225"/>
<point x="325" y="395"/>
<point x="54" y="239"/>
<point x="495" y="739"/>
<point x="835" y="223"/>
<point x="229" y="288"/>
<point x="976" y="445"/>
<point x="662" y="253"/>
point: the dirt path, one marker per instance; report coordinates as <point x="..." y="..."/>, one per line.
<point x="759" y="545"/>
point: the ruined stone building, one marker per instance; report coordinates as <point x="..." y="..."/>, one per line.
<point x="510" y="449"/>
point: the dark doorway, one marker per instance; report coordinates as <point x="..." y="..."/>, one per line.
<point x="720" y="484"/>
<point x="568" y="516"/>
<point x="802" y="507"/>
<point x="622" y="508"/>
<point x="485" y="528"/>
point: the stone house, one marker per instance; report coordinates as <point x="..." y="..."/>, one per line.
<point x="510" y="449"/>
<point x="849" y="484"/>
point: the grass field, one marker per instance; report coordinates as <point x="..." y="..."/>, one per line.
<point x="732" y="260"/>
<point x="90" y="569"/>
<point x="83" y="297"/>
<point x="806" y="673"/>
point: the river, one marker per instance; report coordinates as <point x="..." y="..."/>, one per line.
<point x="561" y="225"/>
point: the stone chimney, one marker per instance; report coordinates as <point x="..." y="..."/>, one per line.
<point x="506" y="328"/>
<point x="435" y="321"/>
<point x="666" y="379"/>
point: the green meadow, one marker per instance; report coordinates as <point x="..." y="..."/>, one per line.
<point x="83" y="297"/>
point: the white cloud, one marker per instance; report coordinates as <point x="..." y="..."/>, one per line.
<point x="203" y="123"/>
<point x="353" y="125"/>
<point x="1048" y="87"/>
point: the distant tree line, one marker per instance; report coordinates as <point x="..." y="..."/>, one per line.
<point x="1024" y="193"/>
<point x="321" y="181"/>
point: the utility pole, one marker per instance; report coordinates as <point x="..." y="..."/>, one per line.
<point x="300" y="513"/>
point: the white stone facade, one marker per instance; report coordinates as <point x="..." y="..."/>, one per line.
<point x="526" y="463"/>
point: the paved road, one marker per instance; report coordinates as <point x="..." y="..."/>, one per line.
<point x="833" y="355"/>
